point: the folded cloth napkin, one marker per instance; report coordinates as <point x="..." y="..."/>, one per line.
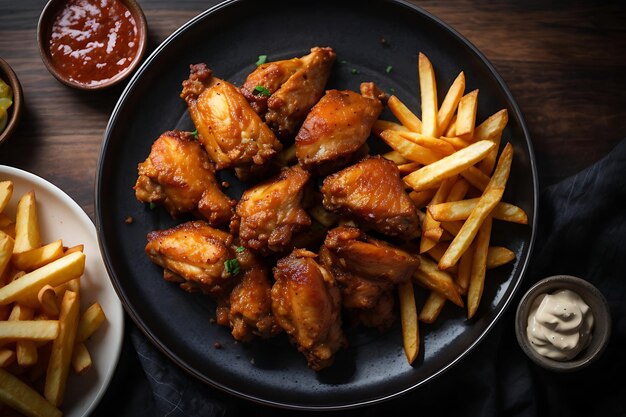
<point x="582" y="228"/>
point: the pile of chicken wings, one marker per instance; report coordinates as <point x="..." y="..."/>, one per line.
<point x="267" y="263"/>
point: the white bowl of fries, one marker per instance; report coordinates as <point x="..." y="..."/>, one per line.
<point x="61" y="323"/>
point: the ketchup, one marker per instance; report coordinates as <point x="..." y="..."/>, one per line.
<point x="92" y="41"/>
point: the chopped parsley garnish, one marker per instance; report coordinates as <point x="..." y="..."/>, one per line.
<point x="354" y="71"/>
<point x="262" y="60"/>
<point x="232" y="266"/>
<point x="152" y="206"/>
<point x="259" y="89"/>
<point x="240" y="249"/>
<point x="195" y="133"/>
<point x="389" y="69"/>
<point x="393" y="90"/>
<point x="343" y="61"/>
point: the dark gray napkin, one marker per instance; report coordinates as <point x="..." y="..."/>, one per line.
<point x="582" y="232"/>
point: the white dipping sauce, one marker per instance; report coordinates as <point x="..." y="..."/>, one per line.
<point x="559" y="325"/>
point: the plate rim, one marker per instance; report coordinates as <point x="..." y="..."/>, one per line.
<point x="175" y="358"/>
<point x="77" y="209"/>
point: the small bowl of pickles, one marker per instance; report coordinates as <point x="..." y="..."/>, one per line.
<point x="11" y="100"/>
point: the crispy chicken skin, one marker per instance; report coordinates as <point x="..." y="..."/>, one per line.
<point x="192" y="254"/>
<point x="337" y="127"/>
<point x="367" y="270"/>
<point x="369" y="257"/>
<point x="307" y="305"/>
<point x="230" y="130"/>
<point x="179" y="175"/>
<point x="373" y="192"/>
<point x="270" y="213"/>
<point x="250" y="302"/>
<point x="294" y="85"/>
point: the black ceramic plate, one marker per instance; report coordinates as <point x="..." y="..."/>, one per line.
<point x="368" y="37"/>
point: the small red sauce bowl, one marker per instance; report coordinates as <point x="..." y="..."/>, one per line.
<point x="44" y="30"/>
<point x="15" y="111"/>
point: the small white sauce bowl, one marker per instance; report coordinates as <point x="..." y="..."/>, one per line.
<point x="599" y="308"/>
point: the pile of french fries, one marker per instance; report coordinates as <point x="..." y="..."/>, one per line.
<point x="457" y="181"/>
<point x="42" y="330"/>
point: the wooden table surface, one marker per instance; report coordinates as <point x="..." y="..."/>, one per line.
<point x="564" y="61"/>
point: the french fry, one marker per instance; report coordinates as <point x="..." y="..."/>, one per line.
<point x="54" y="273"/>
<point x="490" y="198"/>
<point x="487" y="164"/>
<point x="491" y="129"/>
<point x="74" y="285"/>
<point x="380" y="125"/>
<point x="19" y="396"/>
<point x="396" y="157"/>
<point x="429" y="142"/>
<point x="27" y="235"/>
<point x="498" y="256"/>
<point x="404" y="115"/>
<point x="431" y="277"/>
<point x="6" y="250"/>
<point x="408" y="317"/>
<point x="465" y="268"/>
<point x="407" y="168"/>
<point x="448" y="166"/>
<point x="461" y="210"/>
<point x="6" y="191"/>
<point x="75" y="248"/>
<point x="479" y="268"/>
<point x="409" y="150"/>
<point x="7" y="357"/>
<point x="466" y="115"/>
<point x="458" y="190"/>
<point x="428" y="93"/>
<point x="38" y="257"/>
<point x="81" y="359"/>
<point x="25" y="350"/>
<point x="432" y="307"/>
<point x="476" y="177"/>
<point x="452" y="227"/>
<point x="49" y="302"/>
<point x="422" y="198"/>
<point x="456" y="142"/>
<point x="7" y="225"/>
<point x="58" y="367"/>
<point x="493" y="126"/>
<point x="451" y="129"/>
<point x="450" y="102"/>
<point x="36" y="330"/>
<point x="90" y="321"/>
<point x="431" y="230"/>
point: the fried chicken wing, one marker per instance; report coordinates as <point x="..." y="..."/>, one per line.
<point x="231" y="131"/>
<point x="373" y="192"/>
<point x="307" y="305"/>
<point x="179" y="175"/>
<point x="367" y="270"/>
<point x="250" y="302"/>
<point x="369" y="257"/>
<point x="270" y="213"/>
<point x="193" y="254"/>
<point x="291" y="88"/>
<point x="337" y="127"/>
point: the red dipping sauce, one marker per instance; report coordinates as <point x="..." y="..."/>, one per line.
<point x="93" y="41"/>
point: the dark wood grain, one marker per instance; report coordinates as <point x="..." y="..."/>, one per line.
<point x="564" y="62"/>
